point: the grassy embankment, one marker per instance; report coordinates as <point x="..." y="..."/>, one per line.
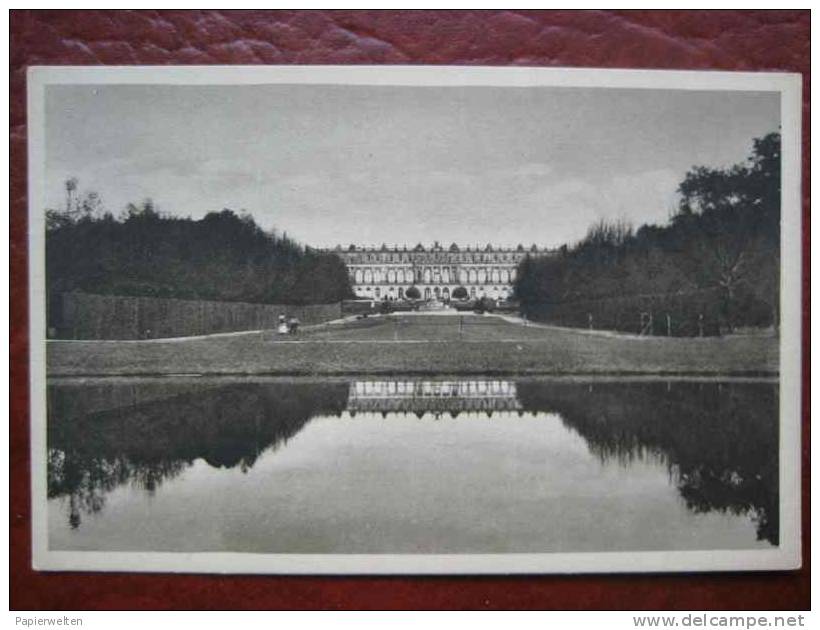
<point x="420" y="345"/>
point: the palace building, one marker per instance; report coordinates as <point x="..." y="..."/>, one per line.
<point x="385" y="273"/>
<point x="432" y="396"/>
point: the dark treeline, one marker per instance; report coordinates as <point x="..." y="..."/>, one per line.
<point x="147" y="253"/>
<point x="90" y="453"/>
<point x="713" y="268"/>
<point x="719" y="440"/>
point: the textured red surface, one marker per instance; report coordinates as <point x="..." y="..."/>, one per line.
<point x="721" y="40"/>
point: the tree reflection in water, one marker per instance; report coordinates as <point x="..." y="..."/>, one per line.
<point x="718" y="440"/>
<point x="144" y="444"/>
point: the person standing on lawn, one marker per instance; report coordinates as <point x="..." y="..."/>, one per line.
<point x="293" y="325"/>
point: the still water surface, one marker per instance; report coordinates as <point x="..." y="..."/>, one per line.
<point x="404" y="466"/>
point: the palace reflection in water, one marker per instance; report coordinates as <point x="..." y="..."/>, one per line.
<point x="412" y="465"/>
<point x="440" y="396"/>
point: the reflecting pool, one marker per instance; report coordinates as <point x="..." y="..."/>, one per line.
<point x="412" y="465"/>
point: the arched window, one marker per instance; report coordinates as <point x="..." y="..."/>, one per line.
<point x="368" y="276"/>
<point x="357" y="276"/>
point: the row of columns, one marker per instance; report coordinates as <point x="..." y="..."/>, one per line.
<point x="434" y="275"/>
<point x="429" y="292"/>
<point x="478" y="387"/>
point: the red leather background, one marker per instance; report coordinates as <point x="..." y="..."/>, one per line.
<point x="724" y="40"/>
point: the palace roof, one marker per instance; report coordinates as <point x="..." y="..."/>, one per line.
<point x="437" y="247"/>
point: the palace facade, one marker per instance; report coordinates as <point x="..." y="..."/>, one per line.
<point x="386" y="273"/>
<point x="432" y="396"/>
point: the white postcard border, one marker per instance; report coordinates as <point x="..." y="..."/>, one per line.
<point x="786" y="556"/>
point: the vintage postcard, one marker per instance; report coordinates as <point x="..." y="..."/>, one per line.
<point x="414" y="320"/>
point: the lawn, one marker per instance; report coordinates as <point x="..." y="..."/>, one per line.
<point x="431" y="328"/>
<point x="423" y="345"/>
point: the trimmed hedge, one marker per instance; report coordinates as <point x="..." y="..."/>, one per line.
<point x="691" y="314"/>
<point x="89" y="316"/>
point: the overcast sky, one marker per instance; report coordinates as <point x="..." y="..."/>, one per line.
<point x="337" y="164"/>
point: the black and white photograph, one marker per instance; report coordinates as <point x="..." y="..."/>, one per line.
<point x="414" y="320"/>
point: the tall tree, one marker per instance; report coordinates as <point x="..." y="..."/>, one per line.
<point x="722" y="246"/>
<point x="220" y="257"/>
